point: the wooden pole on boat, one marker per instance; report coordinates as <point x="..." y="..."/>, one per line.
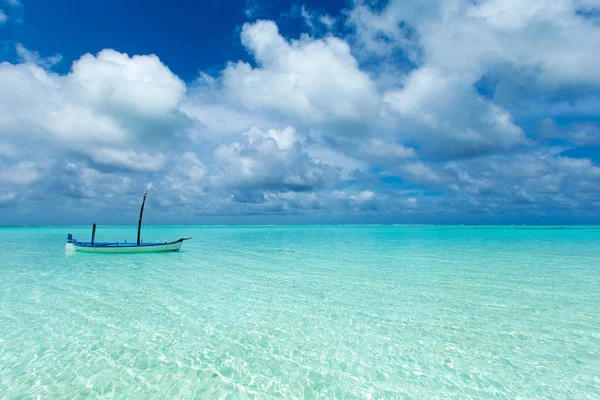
<point x="140" y="220"/>
<point x="93" y="233"/>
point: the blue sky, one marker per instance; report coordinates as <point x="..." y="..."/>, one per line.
<point x="194" y="36"/>
<point x="304" y="112"/>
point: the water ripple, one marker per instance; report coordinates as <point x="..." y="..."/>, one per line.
<point x="304" y="312"/>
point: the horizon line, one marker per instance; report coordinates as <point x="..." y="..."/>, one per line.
<point x="283" y="225"/>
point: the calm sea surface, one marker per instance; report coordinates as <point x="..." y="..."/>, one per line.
<point x="303" y="312"/>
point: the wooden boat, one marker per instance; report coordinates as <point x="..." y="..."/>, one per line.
<point x="123" y="247"/>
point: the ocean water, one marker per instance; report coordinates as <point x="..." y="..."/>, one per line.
<point x="303" y="312"/>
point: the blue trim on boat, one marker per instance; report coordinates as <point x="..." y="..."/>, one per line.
<point x="117" y="244"/>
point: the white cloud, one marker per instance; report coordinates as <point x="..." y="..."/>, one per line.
<point x="421" y="173"/>
<point x="539" y="178"/>
<point x="26" y="55"/>
<point x="111" y="108"/>
<point x="526" y="48"/>
<point x="411" y="202"/>
<point x="191" y="167"/>
<point x="185" y="179"/>
<point x="285" y="138"/>
<point x="324" y="125"/>
<point x="466" y="37"/>
<point x="80" y="182"/>
<point x="313" y="79"/>
<point x="11" y="12"/>
<point x="22" y="173"/>
<point x="270" y="160"/>
<point x="307" y="17"/>
<point x="141" y="85"/>
<point x="449" y="116"/>
<point x="385" y="151"/>
<point x="327" y="20"/>
<point x="580" y="134"/>
<point x="341" y="161"/>
<point x="315" y="21"/>
<point x="128" y="159"/>
<point x="365" y="200"/>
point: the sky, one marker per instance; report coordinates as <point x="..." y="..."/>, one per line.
<point x="314" y="112"/>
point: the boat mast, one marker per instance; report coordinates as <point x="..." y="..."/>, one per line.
<point x="93" y="233"/>
<point x="140" y="220"/>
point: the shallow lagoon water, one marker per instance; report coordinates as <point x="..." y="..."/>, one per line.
<point x="303" y="312"/>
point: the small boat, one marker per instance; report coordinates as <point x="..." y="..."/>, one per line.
<point x="123" y="247"/>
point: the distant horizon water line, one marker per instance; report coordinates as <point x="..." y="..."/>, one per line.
<point x="544" y="226"/>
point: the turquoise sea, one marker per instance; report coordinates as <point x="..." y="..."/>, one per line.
<point x="382" y="312"/>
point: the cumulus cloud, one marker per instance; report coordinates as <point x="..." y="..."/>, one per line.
<point x="3" y="17"/>
<point x="538" y="180"/>
<point x="503" y="37"/>
<point x="450" y="117"/>
<point x="272" y="160"/>
<point x="313" y="79"/>
<point x="522" y="49"/>
<point x="108" y="108"/>
<point x="140" y="85"/>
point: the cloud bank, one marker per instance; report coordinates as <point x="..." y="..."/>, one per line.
<point x="454" y="112"/>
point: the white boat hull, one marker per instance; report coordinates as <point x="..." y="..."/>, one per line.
<point x="174" y="246"/>
<point x="115" y="247"/>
